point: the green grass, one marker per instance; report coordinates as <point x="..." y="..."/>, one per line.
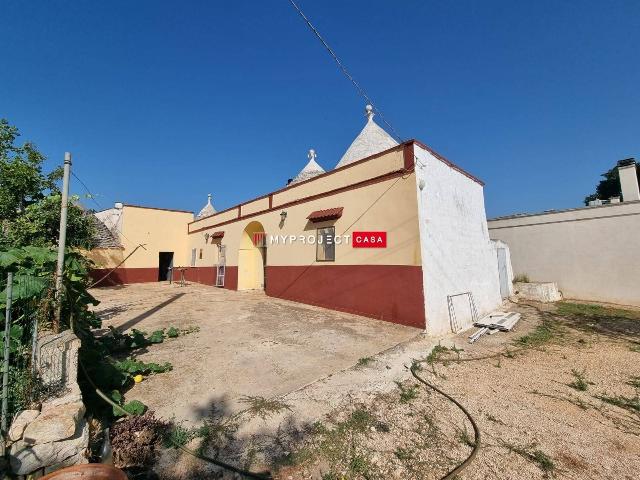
<point x="542" y="334"/>
<point x="590" y="310"/>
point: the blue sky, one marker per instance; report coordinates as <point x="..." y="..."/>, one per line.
<point x="163" y="102"/>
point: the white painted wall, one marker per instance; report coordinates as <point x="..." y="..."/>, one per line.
<point x="499" y="244"/>
<point x="457" y="254"/>
<point x="592" y="253"/>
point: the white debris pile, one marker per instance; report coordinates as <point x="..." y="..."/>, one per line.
<point x="493" y="323"/>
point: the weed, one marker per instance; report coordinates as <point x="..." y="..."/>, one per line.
<point x="178" y="436"/>
<point x="635" y="347"/>
<point x="436" y="354"/>
<point x="542" y="334"/>
<point x="632" y="404"/>
<point x="360" y="419"/>
<point x="464" y="438"/>
<point x="580" y="382"/>
<point x="403" y="453"/>
<point x="263" y="407"/>
<point x="330" y="476"/>
<point x="494" y="419"/>
<point x="407" y="393"/>
<point x="416" y="365"/>
<point x="634" y="382"/>
<point x="508" y="353"/>
<point x="364" y="361"/>
<point x="541" y="459"/>
<point x="359" y="464"/>
<point x="521" y="278"/>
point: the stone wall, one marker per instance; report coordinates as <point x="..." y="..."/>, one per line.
<point x="54" y="434"/>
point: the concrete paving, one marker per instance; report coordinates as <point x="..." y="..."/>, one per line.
<point x="248" y="344"/>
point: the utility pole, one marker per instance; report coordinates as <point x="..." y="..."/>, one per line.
<point x="62" y="239"/>
<point x="5" y="362"/>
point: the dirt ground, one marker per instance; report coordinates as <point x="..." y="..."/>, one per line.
<point x="247" y="344"/>
<point x="561" y="402"/>
<point x="555" y="398"/>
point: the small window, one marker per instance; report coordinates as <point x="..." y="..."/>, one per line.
<point x="325" y="245"/>
<point x="200" y="254"/>
<point x="193" y="257"/>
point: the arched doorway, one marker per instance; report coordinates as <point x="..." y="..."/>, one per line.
<point x="252" y="258"/>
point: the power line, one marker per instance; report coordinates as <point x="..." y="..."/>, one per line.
<point x="92" y="197"/>
<point x="345" y="71"/>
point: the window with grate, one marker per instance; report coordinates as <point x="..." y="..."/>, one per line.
<point x="325" y="244"/>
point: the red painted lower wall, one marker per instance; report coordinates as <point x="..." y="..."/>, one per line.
<point x="124" y="275"/>
<point x="207" y="276"/>
<point x="386" y="292"/>
<point x="204" y="275"/>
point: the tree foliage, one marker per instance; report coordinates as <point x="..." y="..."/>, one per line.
<point x="30" y="199"/>
<point x="22" y="181"/>
<point x="609" y="186"/>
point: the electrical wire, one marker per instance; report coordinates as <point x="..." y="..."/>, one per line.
<point x="92" y="197"/>
<point x="344" y="70"/>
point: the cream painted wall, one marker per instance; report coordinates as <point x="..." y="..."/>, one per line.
<point x="389" y="206"/>
<point x="592" y="253"/>
<point x="159" y="230"/>
<point x="389" y="162"/>
<point x="457" y="254"/>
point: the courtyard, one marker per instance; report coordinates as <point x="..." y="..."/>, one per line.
<point x="303" y="392"/>
<point x="243" y="344"/>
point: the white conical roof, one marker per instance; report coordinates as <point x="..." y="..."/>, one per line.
<point x="312" y="169"/>
<point x="371" y="140"/>
<point x="207" y="210"/>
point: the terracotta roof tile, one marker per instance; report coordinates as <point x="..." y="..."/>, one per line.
<point x="328" y="214"/>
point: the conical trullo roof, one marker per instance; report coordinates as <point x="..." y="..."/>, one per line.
<point x="207" y="210"/>
<point x="312" y="169"/>
<point x="371" y="140"/>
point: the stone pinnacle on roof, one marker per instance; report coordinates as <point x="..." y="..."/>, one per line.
<point x="371" y="140"/>
<point x="207" y="210"/>
<point x="312" y="169"/>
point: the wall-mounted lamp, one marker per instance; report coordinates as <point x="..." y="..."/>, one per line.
<point x="283" y="216"/>
<point x="206" y="237"/>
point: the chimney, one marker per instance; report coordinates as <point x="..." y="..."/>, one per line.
<point x="628" y="180"/>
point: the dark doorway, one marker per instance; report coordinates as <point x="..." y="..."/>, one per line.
<point x="165" y="264"/>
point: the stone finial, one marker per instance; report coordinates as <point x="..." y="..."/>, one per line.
<point x="312" y="154"/>
<point x="369" y="112"/>
<point x="209" y="198"/>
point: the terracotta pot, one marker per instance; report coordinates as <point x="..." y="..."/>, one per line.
<point x="88" y="471"/>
